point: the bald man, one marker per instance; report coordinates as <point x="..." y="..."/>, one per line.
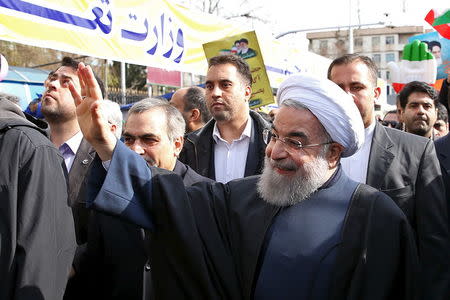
<point x="191" y="103"/>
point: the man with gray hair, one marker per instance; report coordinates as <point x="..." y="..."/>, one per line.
<point x="330" y="238"/>
<point x="114" y="116"/>
<point x="116" y="257"/>
<point x="37" y="238"/>
<point x="192" y="105"/>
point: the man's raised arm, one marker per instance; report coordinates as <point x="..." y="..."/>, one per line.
<point x="94" y="126"/>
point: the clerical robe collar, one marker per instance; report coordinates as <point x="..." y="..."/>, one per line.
<point x="332" y="180"/>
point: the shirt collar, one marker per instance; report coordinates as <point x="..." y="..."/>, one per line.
<point x="246" y="133"/>
<point x="368" y="132"/>
<point x="75" y="141"/>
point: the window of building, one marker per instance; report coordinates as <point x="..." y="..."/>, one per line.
<point x="388" y="90"/>
<point x="390" y="40"/>
<point x="390" y="57"/>
<point x="376" y="58"/>
<point x="358" y="42"/>
<point x="388" y="75"/>
<point x="375" y="41"/>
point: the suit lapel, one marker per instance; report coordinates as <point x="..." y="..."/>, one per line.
<point x="380" y="157"/>
<point x="205" y="152"/>
<point x="82" y="161"/>
<point x="257" y="146"/>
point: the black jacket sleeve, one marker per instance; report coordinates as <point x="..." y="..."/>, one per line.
<point x="444" y="94"/>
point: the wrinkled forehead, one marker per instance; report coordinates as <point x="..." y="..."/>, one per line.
<point x="65" y="72"/>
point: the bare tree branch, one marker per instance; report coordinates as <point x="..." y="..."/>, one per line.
<point x="247" y="15"/>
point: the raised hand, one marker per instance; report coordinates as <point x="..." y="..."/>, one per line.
<point x="94" y="126"/>
<point x="417" y="64"/>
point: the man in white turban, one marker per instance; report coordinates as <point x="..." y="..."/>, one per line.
<point x="303" y="230"/>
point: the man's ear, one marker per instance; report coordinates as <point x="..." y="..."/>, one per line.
<point x="377" y="92"/>
<point x="400" y="112"/>
<point x="113" y="127"/>
<point x="248" y="92"/>
<point x="334" y="154"/>
<point x="194" y="115"/>
<point x="178" y="144"/>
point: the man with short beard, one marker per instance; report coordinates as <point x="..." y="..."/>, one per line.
<point x="230" y="145"/>
<point x="402" y="165"/>
<point x="59" y="110"/>
<point x="418" y="109"/>
<point x="336" y="239"/>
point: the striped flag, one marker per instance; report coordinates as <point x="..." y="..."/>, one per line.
<point x="440" y="20"/>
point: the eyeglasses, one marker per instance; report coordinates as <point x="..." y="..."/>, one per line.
<point x="393" y="124"/>
<point x="292" y="144"/>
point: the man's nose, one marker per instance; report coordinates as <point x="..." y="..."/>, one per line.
<point x="52" y="85"/>
<point x="277" y="150"/>
<point x="420" y="109"/>
<point x="216" y="92"/>
<point x="137" y="147"/>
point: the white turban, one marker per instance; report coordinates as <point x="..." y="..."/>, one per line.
<point x="334" y="108"/>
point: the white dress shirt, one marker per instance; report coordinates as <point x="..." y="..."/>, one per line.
<point x="73" y="143"/>
<point x="356" y="165"/>
<point x="230" y="159"/>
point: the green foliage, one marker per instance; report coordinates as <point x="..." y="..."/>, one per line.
<point x="136" y="76"/>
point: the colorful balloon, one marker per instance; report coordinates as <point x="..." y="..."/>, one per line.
<point x="417" y="64"/>
<point x="3" y="67"/>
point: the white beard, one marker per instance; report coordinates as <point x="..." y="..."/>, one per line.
<point x="282" y="190"/>
<point x="438" y="61"/>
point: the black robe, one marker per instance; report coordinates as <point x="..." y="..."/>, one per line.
<point x="207" y="239"/>
<point x="114" y="263"/>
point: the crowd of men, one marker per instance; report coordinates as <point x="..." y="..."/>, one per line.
<point x="203" y="198"/>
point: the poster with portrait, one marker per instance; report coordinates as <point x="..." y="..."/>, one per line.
<point x="440" y="48"/>
<point x="246" y="46"/>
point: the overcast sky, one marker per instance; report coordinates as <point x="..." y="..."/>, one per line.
<point x="285" y="15"/>
<point x="324" y="13"/>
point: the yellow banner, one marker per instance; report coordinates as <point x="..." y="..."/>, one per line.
<point x="153" y="33"/>
<point x="147" y="32"/>
<point x="246" y="46"/>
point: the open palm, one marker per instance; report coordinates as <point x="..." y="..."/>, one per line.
<point x="94" y="126"/>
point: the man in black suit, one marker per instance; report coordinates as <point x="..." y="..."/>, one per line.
<point x="402" y="165"/>
<point x="116" y="259"/>
<point x="231" y="144"/>
<point x="59" y="110"/>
